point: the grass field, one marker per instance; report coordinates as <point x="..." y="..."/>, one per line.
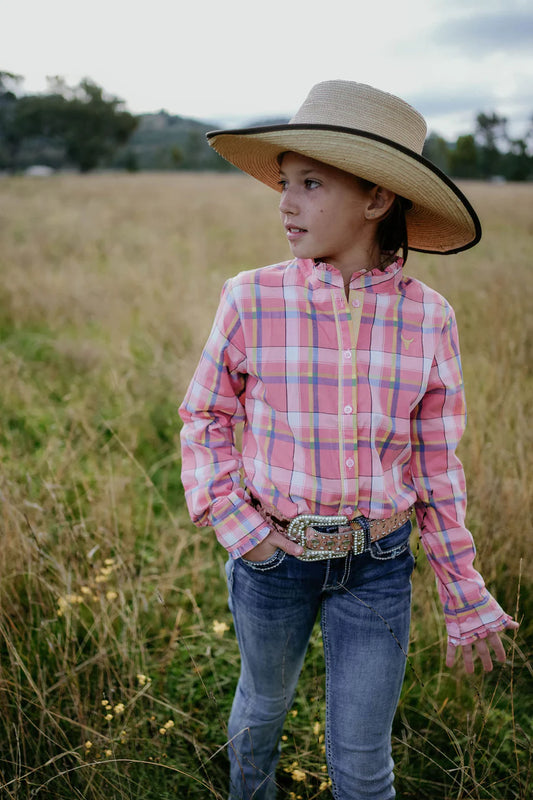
<point x="117" y="656"/>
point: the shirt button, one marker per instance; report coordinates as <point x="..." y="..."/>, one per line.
<point x="348" y="409"/>
<point x="350" y="462"/>
<point x="347" y="354"/>
<point x="356" y="303"/>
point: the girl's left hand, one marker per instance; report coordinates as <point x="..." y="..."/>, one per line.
<point x="483" y="651"/>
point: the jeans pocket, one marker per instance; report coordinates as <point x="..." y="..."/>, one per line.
<point x="392" y="545"/>
<point x="269" y="563"/>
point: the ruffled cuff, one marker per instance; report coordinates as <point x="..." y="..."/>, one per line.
<point x="474" y="619"/>
<point x="237" y="525"/>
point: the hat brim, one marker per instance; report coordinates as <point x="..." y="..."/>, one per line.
<point x="441" y="220"/>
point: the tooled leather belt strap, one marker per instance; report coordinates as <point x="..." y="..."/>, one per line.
<point x="346" y="535"/>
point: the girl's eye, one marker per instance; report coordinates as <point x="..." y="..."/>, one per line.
<point x="309" y="183"/>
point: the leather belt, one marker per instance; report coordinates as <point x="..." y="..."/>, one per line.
<point x="335" y="536"/>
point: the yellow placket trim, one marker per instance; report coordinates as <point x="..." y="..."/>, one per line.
<point x="354" y="307"/>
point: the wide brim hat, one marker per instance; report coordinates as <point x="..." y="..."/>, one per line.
<point x="371" y="134"/>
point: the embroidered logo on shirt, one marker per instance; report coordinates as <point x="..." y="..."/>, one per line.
<point x="406" y="342"/>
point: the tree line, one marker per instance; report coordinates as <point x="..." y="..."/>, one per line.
<point x="77" y="126"/>
<point x="84" y="128"/>
<point x="489" y="152"/>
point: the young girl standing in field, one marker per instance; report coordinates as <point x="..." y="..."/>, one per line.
<point x="346" y="374"/>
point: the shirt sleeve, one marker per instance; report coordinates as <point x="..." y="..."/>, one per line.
<point x="211" y="462"/>
<point x="437" y="424"/>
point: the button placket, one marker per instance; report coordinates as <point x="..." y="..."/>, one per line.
<point x="348" y="403"/>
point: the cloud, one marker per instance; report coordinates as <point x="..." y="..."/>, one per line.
<point x="487" y="32"/>
<point x="436" y="103"/>
<point x="481" y="62"/>
<point x="452" y="112"/>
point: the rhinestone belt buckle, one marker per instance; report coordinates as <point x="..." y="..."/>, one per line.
<point x="297" y="528"/>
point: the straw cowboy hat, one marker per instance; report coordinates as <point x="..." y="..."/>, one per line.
<point x="371" y="134"/>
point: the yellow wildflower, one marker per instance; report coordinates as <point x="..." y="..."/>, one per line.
<point x="119" y="708"/>
<point x="169" y="724"/>
<point x="162" y="731"/>
<point x="111" y="596"/>
<point x="220" y="628"/>
<point x="85" y="589"/>
<point x="316" y="728"/>
<point x="62" y="605"/>
<point x="324" y="785"/>
<point x="298" y="775"/>
<point x="88" y="745"/>
<point x="105" y="703"/>
<point x="142" y="679"/>
<point x="109" y="717"/>
<point x="108" y="753"/>
<point x="109" y="562"/>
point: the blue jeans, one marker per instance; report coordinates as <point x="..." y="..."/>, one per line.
<point x="364" y="603"/>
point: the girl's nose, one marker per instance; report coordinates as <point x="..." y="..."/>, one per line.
<point x="287" y="203"/>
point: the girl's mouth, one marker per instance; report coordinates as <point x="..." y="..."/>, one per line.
<point x="294" y="233"/>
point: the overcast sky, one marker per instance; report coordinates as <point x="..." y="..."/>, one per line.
<point x="234" y="61"/>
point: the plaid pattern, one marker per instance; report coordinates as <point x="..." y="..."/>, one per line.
<point x="349" y="407"/>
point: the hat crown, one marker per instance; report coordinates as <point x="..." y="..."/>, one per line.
<point x="361" y="107"/>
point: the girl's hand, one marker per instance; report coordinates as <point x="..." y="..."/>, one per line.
<point x="274" y="541"/>
<point x="483" y="651"/>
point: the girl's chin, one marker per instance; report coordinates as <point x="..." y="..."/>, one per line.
<point x="303" y="252"/>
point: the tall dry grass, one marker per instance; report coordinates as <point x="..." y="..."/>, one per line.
<point x="115" y="680"/>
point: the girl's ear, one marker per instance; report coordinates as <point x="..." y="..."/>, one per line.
<point x="380" y="203"/>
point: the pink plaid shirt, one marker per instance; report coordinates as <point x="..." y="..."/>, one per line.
<point x="350" y="407"/>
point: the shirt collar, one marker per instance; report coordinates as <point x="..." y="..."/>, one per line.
<point x="319" y="273"/>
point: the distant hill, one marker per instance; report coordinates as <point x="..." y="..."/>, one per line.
<point x="163" y="141"/>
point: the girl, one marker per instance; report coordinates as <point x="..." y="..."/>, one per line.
<point x="347" y="377"/>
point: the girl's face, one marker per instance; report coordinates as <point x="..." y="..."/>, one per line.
<point x="327" y="214"/>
